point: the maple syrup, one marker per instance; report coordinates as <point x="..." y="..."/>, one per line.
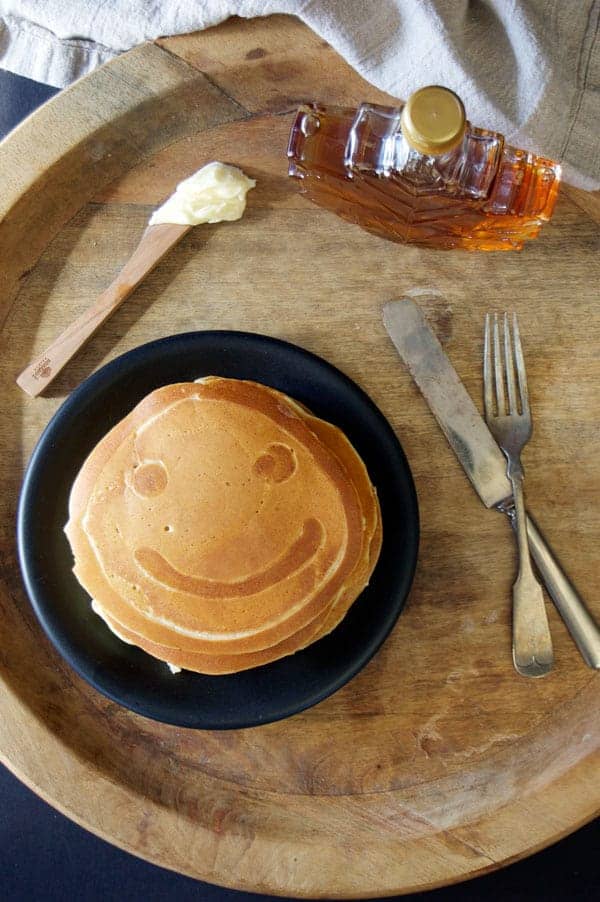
<point x="422" y="174"/>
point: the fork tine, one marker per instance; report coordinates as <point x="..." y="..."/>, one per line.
<point x="488" y="392"/>
<point x="500" y="396"/>
<point x="520" y="364"/>
<point x="510" y="368"/>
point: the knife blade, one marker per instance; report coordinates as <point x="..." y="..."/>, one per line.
<point x="480" y="456"/>
<point x="461" y="423"/>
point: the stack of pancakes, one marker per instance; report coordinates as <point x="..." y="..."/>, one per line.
<point x="221" y="526"/>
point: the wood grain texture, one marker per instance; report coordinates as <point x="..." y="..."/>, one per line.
<point x="437" y="762"/>
<point x="273" y="69"/>
<point x="156" y="241"/>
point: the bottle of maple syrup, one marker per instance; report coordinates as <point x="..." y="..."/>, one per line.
<point x="422" y="174"/>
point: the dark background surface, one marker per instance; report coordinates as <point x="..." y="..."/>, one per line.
<point x="44" y="856"/>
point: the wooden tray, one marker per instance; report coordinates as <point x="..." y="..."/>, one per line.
<point x="437" y="762"/>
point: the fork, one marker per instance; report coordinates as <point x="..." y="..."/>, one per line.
<point x="511" y="427"/>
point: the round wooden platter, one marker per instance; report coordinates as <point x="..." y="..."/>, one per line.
<point x="437" y="762"/>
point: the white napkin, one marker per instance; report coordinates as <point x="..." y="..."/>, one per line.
<point x="527" y="68"/>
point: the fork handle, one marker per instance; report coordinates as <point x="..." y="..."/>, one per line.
<point x="571" y="607"/>
<point x="532" y="642"/>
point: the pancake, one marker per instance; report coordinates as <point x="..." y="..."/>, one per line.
<point x="215" y="525"/>
<point x="220" y="525"/>
<point x="220" y="663"/>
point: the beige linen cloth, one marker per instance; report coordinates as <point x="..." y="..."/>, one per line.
<point x="527" y="68"/>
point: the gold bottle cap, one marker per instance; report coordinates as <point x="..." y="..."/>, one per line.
<point x="433" y="120"/>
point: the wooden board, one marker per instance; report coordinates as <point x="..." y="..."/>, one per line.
<point x="437" y="762"/>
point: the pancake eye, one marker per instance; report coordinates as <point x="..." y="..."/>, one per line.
<point x="277" y="463"/>
<point x="149" y="479"/>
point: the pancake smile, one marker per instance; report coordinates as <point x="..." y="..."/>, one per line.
<point x="295" y="558"/>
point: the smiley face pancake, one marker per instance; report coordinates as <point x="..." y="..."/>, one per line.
<point x="220" y="526"/>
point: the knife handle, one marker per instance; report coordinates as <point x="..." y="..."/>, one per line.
<point x="570" y="605"/>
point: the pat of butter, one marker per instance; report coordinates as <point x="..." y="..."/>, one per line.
<point x="215" y="193"/>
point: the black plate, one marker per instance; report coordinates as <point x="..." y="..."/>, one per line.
<point x="126" y="674"/>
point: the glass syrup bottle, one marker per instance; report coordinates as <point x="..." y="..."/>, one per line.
<point x="422" y="174"/>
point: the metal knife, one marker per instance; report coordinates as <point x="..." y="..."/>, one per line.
<point x="480" y="456"/>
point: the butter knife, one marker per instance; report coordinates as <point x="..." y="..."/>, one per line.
<point x="480" y="456"/>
